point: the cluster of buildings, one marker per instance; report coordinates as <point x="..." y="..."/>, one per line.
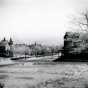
<point x="75" y="46"/>
<point x="9" y="49"/>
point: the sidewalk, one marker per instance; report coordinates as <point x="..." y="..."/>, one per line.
<point x="6" y="62"/>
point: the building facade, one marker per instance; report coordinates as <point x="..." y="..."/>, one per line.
<point x="75" y="47"/>
<point x="6" y="48"/>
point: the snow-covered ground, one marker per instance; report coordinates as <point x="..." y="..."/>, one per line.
<point x="5" y="61"/>
<point x="57" y="75"/>
<point x="8" y="61"/>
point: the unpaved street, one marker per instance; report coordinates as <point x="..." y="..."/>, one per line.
<point x="30" y="75"/>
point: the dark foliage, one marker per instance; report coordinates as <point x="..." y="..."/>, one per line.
<point x="75" y="49"/>
<point x="2" y="85"/>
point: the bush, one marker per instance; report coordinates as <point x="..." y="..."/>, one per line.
<point x="2" y="85"/>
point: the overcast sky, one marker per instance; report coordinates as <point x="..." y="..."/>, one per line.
<point x="44" y="21"/>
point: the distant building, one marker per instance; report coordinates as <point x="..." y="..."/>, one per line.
<point x="21" y="49"/>
<point x="6" y="48"/>
<point x="42" y="50"/>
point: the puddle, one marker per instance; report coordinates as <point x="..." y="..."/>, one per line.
<point x="3" y="76"/>
<point x="26" y="78"/>
<point x="1" y="71"/>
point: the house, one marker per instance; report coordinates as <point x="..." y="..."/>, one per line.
<point x="75" y="47"/>
<point x="6" y="48"/>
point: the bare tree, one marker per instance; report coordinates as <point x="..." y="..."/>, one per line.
<point x="80" y="21"/>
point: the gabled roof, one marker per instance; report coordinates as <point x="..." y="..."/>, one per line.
<point x="3" y="43"/>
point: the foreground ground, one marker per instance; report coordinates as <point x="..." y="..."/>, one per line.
<point x="45" y="75"/>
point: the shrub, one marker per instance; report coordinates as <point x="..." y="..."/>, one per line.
<point x="2" y="85"/>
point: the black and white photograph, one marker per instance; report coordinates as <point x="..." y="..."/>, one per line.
<point x="43" y="43"/>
